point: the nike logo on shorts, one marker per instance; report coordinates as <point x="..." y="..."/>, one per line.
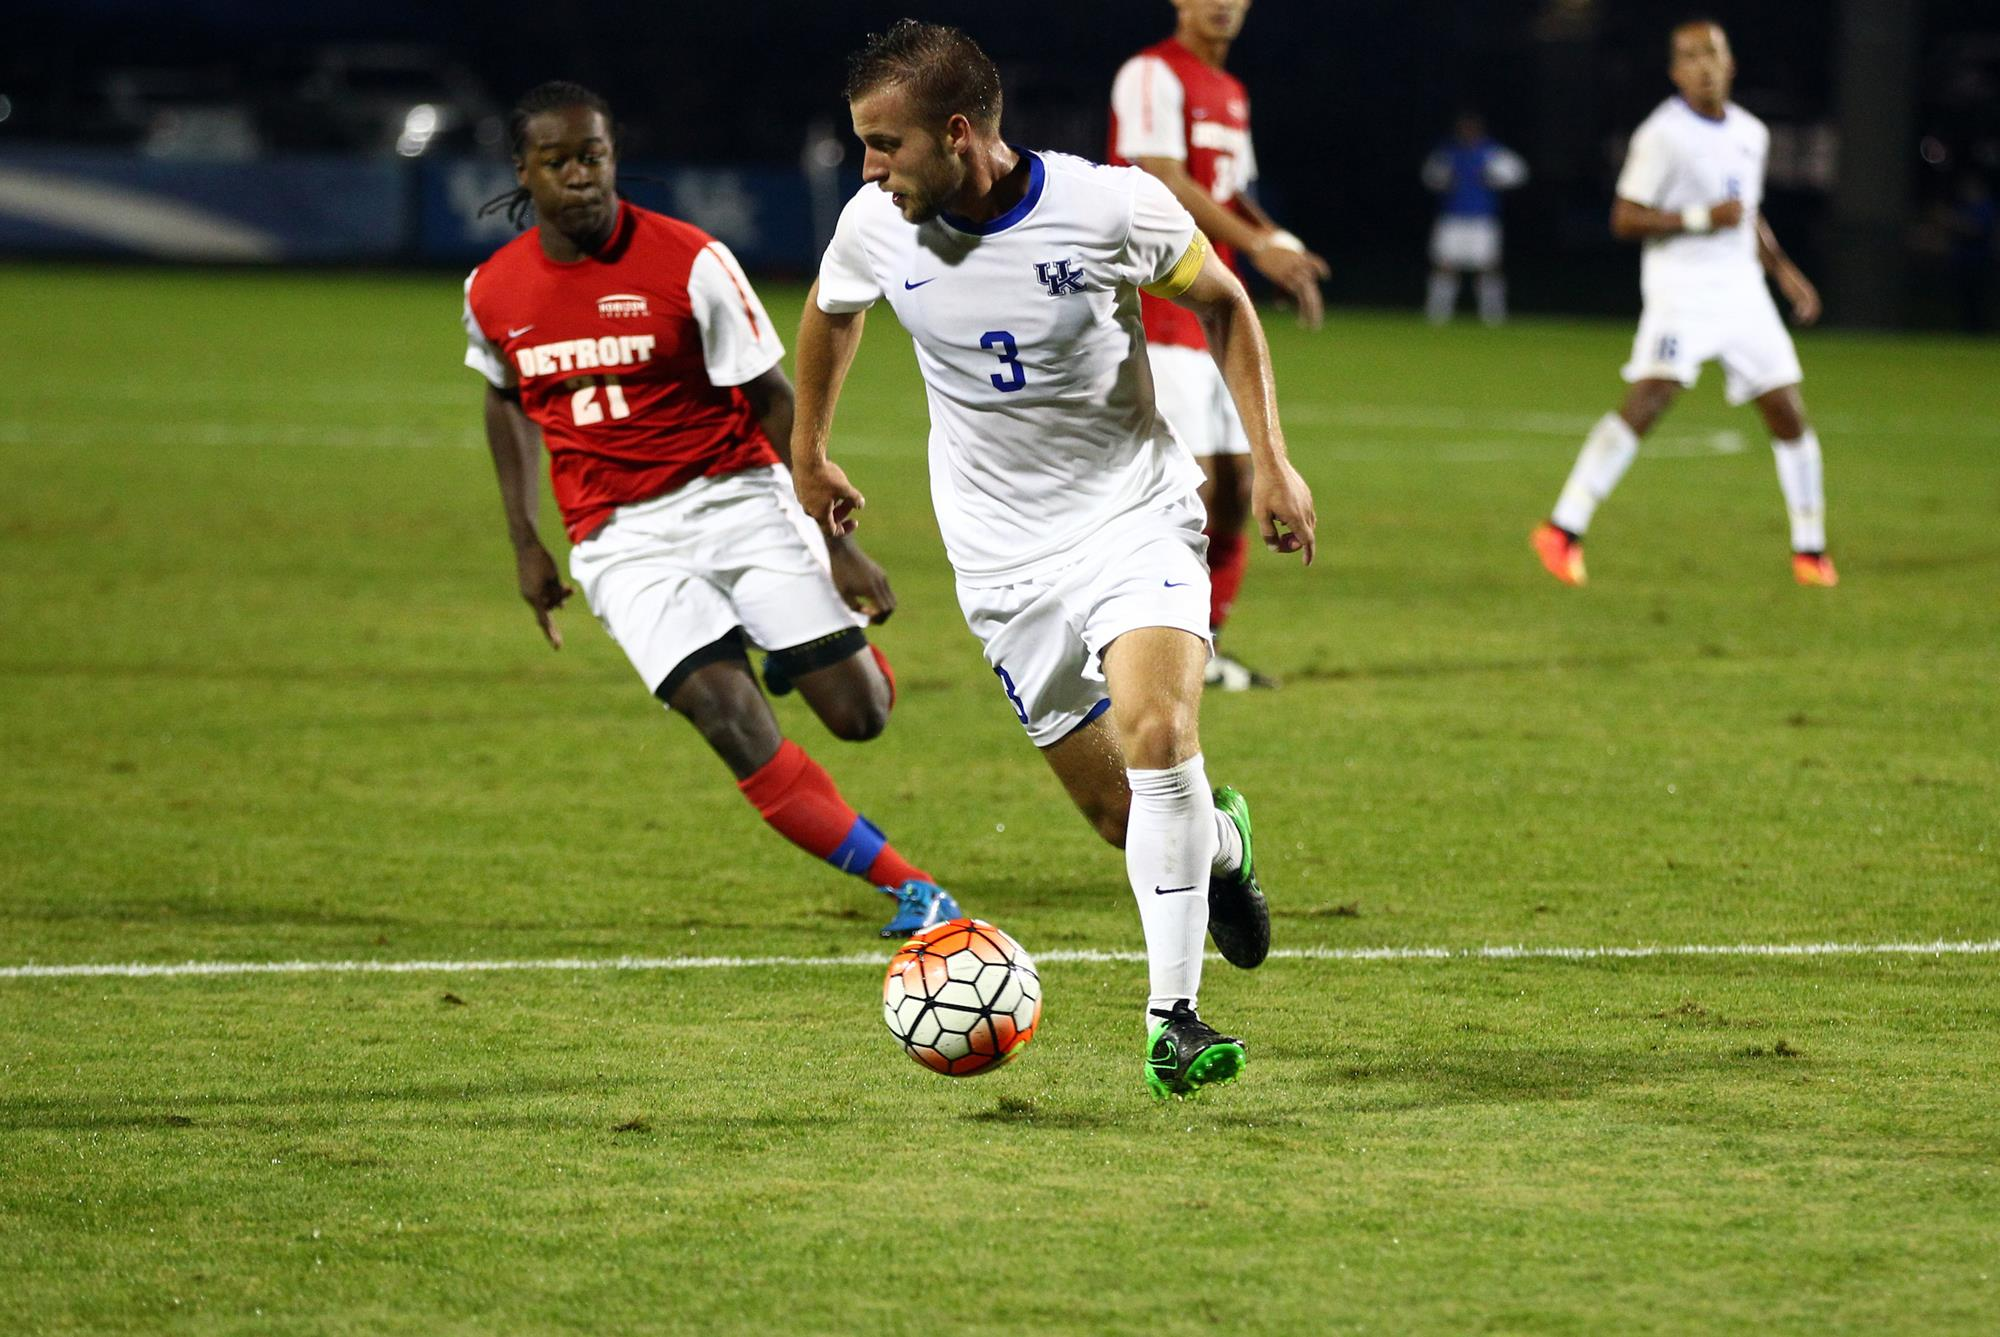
<point x="1175" y="584"/>
<point x="907" y="285"/>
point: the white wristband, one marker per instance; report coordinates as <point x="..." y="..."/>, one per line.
<point x="1285" y="241"/>
<point x="1695" y="219"/>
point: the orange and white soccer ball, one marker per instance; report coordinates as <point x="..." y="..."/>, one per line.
<point x="962" y="997"/>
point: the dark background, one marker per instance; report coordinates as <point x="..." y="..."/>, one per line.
<point x="1347" y="97"/>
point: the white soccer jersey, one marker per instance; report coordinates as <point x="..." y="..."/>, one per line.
<point x="1043" y="429"/>
<point x="1680" y="158"/>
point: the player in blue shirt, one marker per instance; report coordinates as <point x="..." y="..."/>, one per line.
<point x="1469" y="170"/>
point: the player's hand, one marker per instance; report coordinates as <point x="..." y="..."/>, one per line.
<point x="1298" y="275"/>
<point x="1799" y="291"/>
<point x="862" y="584"/>
<point x="1727" y="213"/>
<point x="828" y="497"/>
<point x="1283" y="505"/>
<point x="542" y="587"/>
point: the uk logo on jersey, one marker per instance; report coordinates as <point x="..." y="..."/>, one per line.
<point x="1058" y="277"/>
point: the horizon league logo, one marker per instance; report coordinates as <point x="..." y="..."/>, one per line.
<point x="1058" y="277"/>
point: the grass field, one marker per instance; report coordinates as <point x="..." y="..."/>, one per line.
<point x="269" y="696"/>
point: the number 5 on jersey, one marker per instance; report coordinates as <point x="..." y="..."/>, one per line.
<point x="584" y="408"/>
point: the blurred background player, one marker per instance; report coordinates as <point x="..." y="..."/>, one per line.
<point x="1071" y="514"/>
<point x="1178" y="114"/>
<point x="636" y="346"/>
<point x="1690" y="190"/>
<point x="1469" y="170"/>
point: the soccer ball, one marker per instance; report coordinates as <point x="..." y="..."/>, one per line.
<point x="962" y="997"/>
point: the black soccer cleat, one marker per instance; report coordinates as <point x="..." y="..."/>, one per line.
<point x="1239" y="919"/>
<point x="1185" y="1054"/>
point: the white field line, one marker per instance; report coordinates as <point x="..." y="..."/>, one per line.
<point x="141" y="970"/>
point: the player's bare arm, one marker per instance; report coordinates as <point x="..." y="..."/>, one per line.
<point x="1243" y="225"/>
<point x="1791" y="280"/>
<point x="826" y="347"/>
<point x="1280" y="499"/>
<point x="861" y="582"/>
<point x="1632" y="221"/>
<point x="516" y="446"/>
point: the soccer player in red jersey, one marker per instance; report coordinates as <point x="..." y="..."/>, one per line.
<point x="1178" y="114"/>
<point x="632" y="345"/>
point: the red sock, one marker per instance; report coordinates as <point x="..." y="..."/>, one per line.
<point x="882" y="662"/>
<point x="1228" y="559"/>
<point x="800" y="802"/>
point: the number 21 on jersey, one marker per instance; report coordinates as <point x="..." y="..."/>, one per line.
<point x="583" y="406"/>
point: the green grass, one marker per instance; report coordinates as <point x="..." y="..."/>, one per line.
<point x="267" y="693"/>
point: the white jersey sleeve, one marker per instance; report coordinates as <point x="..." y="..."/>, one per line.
<point x="847" y="280"/>
<point x="1647" y="164"/>
<point x="480" y="354"/>
<point x="1147" y="102"/>
<point x="1162" y="230"/>
<point x="738" y="342"/>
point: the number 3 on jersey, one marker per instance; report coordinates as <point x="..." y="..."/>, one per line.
<point x="584" y="408"/>
<point x="1001" y="342"/>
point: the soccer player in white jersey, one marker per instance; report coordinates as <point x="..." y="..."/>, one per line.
<point x="1690" y="192"/>
<point x="1071" y="513"/>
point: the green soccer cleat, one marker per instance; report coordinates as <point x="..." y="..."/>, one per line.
<point x="1185" y="1054"/>
<point x="1239" y="920"/>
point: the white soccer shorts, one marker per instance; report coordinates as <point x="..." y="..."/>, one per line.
<point x="673" y="574"/>
<point x="1044" y="638"/>
<point x="1459" y="242"/>
<point x="1190" y="393"/>
<point x="1742" y="331"/>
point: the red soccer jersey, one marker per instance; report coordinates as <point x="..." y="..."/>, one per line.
<point x="1168" y="103"/>
<point x="628" y="360"/>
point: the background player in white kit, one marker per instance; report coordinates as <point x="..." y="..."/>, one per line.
<point x="1690" y="189"/>
<point x="1068" y="508"/>
<point x="1176" y="112"/>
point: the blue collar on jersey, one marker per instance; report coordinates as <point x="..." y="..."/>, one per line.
<point x="1701" y="115"/>
<point x="1037" y="178"/>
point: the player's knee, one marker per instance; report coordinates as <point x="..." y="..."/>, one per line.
<point x="859" y="717"/>
<point x="1157" y="738"/>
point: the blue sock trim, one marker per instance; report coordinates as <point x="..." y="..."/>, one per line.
<point x="858" y="849"/>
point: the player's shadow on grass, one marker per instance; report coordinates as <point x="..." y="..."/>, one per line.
<point x="493" y="1104"/>
<point x="1448" y="668"/>
<point x="1442" y="1078"/>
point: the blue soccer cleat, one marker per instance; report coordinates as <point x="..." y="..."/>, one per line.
<point x="920" y="905"/>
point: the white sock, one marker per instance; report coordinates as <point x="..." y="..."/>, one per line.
<point x="1607" y="452"/>
<point x="1228" y="845"/>
<point x="1443" y="296"/>
<point x="1801" y="478"/>
<point x="1169" y="848"/>
<point x="1492" y="298"/>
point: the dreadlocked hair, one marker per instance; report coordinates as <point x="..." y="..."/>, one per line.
<point x="555" y="95"/>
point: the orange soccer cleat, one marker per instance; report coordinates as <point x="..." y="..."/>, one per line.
<point x="1561" y="552"/>
<point x="1814" y="568"/>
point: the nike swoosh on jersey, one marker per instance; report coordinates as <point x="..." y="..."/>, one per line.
<point x="515" y="334"/>
<point x="1175" y="584"/>
<point x="907" y="285"/>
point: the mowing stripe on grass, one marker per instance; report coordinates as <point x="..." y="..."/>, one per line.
<point x="141" y="970"/>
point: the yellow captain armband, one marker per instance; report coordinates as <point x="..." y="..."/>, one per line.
<point x="1182" y="276"/>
